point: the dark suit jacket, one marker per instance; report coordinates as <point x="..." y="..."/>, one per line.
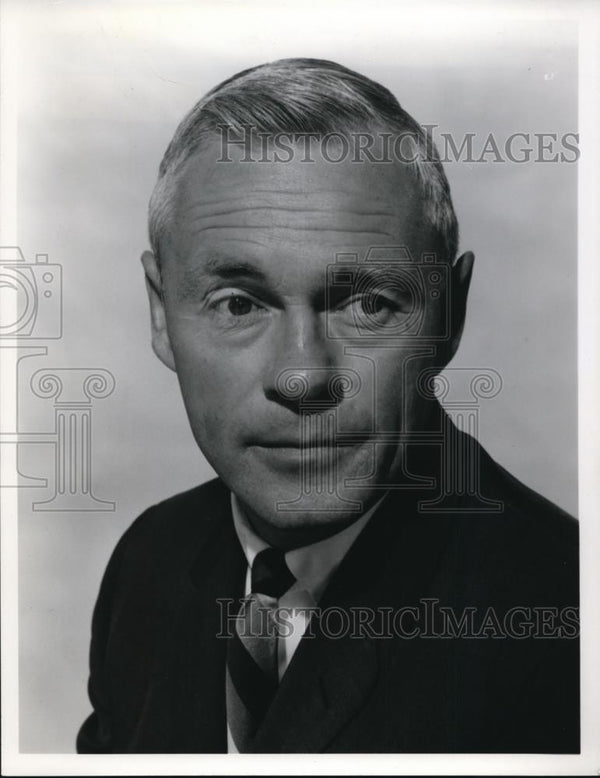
<point x="158" y="668"/>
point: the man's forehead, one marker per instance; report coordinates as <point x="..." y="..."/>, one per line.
<point x="305" y="212"/>
<point x="207" y="175"/>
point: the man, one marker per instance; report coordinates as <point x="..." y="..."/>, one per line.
<point x="361" y="577"/>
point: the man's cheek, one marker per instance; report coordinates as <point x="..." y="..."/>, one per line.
<point x="212" y="395"/>
<point x="399" y="401"/>
<point x="212" y="428"/>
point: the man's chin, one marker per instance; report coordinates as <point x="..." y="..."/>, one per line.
<point x="293" y="510"/>
<point x="280" y="493"/>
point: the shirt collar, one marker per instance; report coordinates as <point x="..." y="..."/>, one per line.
<point x="312" y="566"/>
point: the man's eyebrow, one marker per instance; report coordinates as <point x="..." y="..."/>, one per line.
<point x="228" y="267"/>
<point x="195" y="279"/>
<point x="366" y="272"/>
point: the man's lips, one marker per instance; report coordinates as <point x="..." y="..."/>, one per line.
<point x="309" y="440"/>
<point x="291" y="454"/>
<point x="295" y="443"/>
<point x="288" y="455"/>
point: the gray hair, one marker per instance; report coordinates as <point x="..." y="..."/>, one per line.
<point x="303" y="96"/>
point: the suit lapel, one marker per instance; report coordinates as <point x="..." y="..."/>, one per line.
<point x="327" y="682"/>
<point x="394" y="561"/>
<point x="198" y="702"/>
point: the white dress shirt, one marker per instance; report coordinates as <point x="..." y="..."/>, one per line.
<point x="312" y="566"/>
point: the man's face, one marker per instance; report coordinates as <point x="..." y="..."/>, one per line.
<point x="295" y="378"/>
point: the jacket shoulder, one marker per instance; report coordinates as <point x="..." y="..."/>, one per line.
<point x="527" y="508"/>
<point x="529" y="545"/>
<point x="174" y="528"/>
<point x="184" y="511"/>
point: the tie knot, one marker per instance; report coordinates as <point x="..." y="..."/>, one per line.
<point x="270" y="573"/>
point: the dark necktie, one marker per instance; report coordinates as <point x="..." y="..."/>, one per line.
<point x="252" y="666"/>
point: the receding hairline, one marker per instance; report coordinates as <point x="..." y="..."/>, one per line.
<point x="303" y="96"/>
<point x="210" y="152"/>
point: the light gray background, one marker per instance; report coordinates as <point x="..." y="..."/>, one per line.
<point x="101" y="91"/>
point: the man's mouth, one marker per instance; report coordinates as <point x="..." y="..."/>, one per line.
<point x="296" y="443"/>
<point x="295" y="455"/>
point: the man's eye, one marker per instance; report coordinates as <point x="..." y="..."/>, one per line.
<point x="375" y="308"/>
<point x="233" y="309"/>
<point x="239" y="306"/>
<point x="374" y="305"/>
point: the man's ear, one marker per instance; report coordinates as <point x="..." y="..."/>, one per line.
<point x="460" y="279"/>
<point x="161" y="344"/>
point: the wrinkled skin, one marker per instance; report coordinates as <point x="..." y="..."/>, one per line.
<point x="242" y="300"/>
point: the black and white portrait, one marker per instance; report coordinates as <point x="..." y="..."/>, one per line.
<point x="294" y="357"/>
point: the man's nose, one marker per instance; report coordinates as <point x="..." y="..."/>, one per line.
<point x="303" y="369"/>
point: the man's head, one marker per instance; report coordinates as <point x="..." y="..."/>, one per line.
<point x="300" y="289"/>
